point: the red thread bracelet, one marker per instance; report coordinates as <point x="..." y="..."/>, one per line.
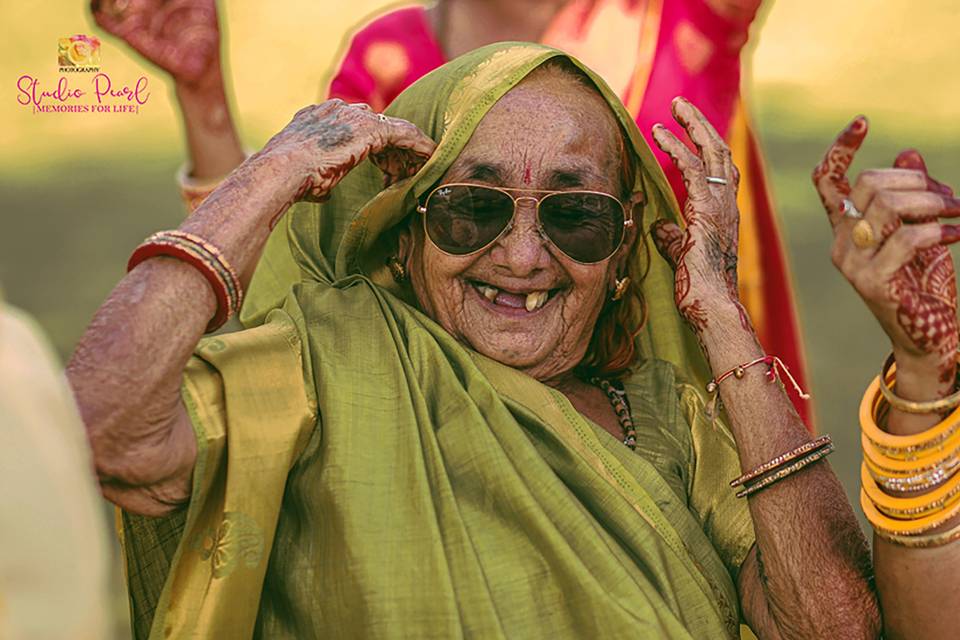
<point x="774" y="365"/>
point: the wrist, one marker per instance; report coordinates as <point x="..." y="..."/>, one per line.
<point x="924" y="377"/>
<point x="204" y="102"/>
<point x="727" y="336"/>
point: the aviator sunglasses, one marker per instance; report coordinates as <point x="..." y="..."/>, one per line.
<point x="586" y="226"/>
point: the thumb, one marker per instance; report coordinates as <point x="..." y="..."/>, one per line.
<point x="669" y="239"/>
<point x="911" y="159"/>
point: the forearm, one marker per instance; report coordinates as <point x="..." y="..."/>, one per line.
<point x="813" y="560"/>
<point x="213" y="146"/>
<point x="127" y="368"/>
<point x="916" y="586"/>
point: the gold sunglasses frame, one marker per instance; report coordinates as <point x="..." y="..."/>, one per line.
<point x="509" y="191"/>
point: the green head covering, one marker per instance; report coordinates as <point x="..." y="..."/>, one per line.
<point x="352" y="232"/>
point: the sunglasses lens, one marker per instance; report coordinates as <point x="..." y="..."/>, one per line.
<point x="461" y="219"/>
<point x="588" y="227"/>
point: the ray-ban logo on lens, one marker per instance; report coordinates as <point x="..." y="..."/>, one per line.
<point x="78" y="53"/>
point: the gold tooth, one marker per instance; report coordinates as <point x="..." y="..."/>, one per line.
<point x="535" y="300"/>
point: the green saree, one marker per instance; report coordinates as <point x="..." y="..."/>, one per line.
<point x="362" y="474"/>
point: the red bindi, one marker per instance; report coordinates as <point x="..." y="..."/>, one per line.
<point x="527" y="174"/>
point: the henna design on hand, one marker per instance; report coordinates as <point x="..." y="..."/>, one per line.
<point x="835" y="164"/>
<point x="908" y="281"/>
<point x="704" y="255"/>
<point x="326" y="141"/>
<point x="182" y="37"/>
<point x="925" y="290"/>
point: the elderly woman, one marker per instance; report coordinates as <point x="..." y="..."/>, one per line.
<point x="458" y="422"/>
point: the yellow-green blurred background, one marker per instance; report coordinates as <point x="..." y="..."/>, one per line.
<point x="79" y="191"/>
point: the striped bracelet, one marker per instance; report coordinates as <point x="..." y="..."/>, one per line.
<point x="204" y="257"/>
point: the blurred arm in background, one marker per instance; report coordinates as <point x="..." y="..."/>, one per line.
<point x="183" y="38"/>
<point x="53" y="563"/>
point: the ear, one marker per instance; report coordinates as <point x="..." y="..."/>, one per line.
<point x="634" y="208"/>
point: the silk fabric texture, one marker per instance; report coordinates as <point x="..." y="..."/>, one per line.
<point x="362" y="474"/>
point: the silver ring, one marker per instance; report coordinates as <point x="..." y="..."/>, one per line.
<point x="850" y="210"/>
<point x="382" y="117"/>
<point x="716" y="180"/>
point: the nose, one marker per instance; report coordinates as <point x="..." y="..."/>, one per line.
<point x="522" y="250"/>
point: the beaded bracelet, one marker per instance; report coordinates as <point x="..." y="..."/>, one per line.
<point x="774" y="365"/>
<point x="204" y="257"/>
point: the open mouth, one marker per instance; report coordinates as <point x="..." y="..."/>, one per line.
<point x="530" y="301"/>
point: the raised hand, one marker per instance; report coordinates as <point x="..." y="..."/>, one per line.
<point x="324" y="142"/>
<point x="181" y="37"/>
<point x="889" y="244"/>
<point x="704" y="255"/>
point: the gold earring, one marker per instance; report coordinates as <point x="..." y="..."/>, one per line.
<point x="397" y="269"/>
<point x="620" y="287"/>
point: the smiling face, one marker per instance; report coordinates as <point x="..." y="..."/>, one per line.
<point x="521" y="301"/>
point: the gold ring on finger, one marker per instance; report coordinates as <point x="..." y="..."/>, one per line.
<point x="863" y="235"/>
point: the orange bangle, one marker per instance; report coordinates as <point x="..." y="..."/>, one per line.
<point x="912" y="507"/>
<point x="905" y="467"/>
<point x="884" y="523"/>
<point x="922" y="542"/>
<point x="903" y="447"/>
<point x="922" y="480"/>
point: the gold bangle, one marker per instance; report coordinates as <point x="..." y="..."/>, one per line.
<point x="916" y="526"/>
<point x="781" y="460"/>
<point x="922" y="481"/>
<point x="789" y="470"/>
<point x="930" y="460"/>
<point x="910" y="406"/>
<point x="911" y="507"/>
<point x="902" y="447"/>
<point x="927" y="541"/>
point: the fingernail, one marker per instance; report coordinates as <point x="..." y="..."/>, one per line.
<point x="949" y="234"/>
<point x="909" y="159"/>
<point x="854" y="133"/>
<point x="951" y="207"/>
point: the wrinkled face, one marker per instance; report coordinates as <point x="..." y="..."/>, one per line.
<point x="549" y="132"/>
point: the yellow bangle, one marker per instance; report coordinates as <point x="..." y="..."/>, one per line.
<point x="911" y="406"/>
<point x="886" y="524"/>
<point x="912" y="507"/>
<point x="931" y="459"/>
<point x="922" y="542"/>
<point x="903" y="447"/>
<point x="922" y="480"/>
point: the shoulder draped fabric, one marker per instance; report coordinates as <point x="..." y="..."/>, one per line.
<point x="362" y="474"/>
<point x="648" y="51"/>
